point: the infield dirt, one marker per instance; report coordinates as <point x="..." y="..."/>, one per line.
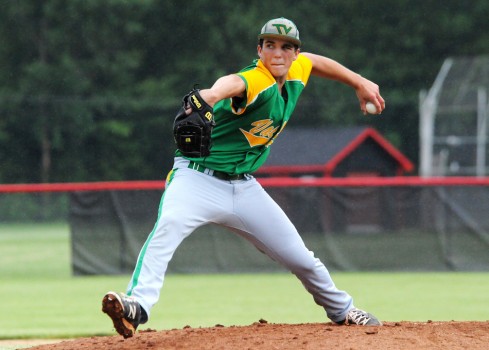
<point x="266" y="336"/>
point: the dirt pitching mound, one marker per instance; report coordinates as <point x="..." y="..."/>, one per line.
<point x="266" y="336"/>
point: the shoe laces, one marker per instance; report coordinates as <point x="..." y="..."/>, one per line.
<point x="357" y="316"/>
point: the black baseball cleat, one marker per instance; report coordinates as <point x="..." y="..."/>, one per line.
<point x="124" y="311"/>
<point x="361" y="318"/>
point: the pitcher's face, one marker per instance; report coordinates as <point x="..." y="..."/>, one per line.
<point x="277" y="56"/>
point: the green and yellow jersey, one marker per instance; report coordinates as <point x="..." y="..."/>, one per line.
<point x="245" y="129"/>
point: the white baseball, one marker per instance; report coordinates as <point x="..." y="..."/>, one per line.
<point x="370" y="107"/>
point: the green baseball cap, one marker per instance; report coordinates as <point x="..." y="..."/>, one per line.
<point x="282" y="29"/>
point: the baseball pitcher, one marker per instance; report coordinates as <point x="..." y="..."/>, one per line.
<point x="223" y="134"/>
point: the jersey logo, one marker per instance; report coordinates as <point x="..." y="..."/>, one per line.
<point x="261" y="133"/>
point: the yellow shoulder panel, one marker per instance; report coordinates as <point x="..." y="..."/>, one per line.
<point x="258" y="80"/>
<point x="300" y="69"/>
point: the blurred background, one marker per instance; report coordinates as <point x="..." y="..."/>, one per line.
<point x="89" y="89"/>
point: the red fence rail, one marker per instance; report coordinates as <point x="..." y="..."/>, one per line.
<point x="266" y="182"/>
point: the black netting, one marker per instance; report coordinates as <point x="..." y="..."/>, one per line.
<point x="396" y="228"/>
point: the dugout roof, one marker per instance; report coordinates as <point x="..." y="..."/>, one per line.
<point x="334" y="152"/>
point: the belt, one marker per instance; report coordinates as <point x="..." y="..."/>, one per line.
<point x="218" y="174"/>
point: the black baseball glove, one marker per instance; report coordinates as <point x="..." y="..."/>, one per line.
<point x="192" y="132"/>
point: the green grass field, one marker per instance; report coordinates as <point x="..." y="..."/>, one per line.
<point x="40" y="298"/>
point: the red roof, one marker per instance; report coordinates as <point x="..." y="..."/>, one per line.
<point x="339" y="150"/>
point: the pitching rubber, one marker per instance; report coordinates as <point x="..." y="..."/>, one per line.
<point x="112" y="306"/>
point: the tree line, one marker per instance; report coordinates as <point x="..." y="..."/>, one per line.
<point x="89" y="88"/>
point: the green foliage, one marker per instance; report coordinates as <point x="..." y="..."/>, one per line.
<point x="88" y="89"/>
<point x="29" y="207"/>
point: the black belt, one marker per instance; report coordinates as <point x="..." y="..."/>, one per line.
<point x="219" y="174"/>
<point x="228" y="177"/>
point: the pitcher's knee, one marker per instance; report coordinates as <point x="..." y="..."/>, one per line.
<point x="305" y="265"/>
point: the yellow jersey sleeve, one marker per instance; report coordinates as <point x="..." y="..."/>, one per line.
<point x="300" y="69"/>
